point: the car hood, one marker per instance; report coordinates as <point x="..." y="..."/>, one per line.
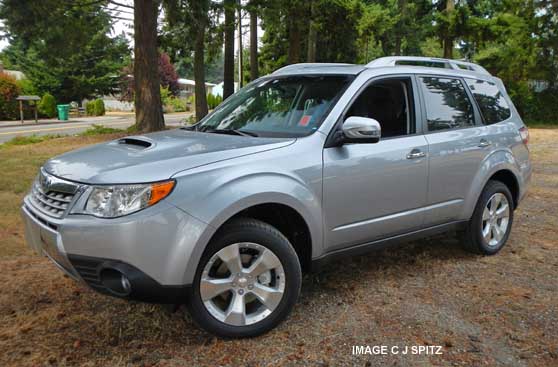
<point x="154" y="157"/>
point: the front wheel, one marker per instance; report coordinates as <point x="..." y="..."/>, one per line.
<point x="248" y="280"/>
<point x="491" y="223"/>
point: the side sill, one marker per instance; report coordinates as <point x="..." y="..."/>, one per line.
<point x="356" y="250"/>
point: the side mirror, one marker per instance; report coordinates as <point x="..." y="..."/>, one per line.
<point x="360" y="130"/>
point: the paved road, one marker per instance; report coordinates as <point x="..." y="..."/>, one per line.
<point x="69" y="128"/>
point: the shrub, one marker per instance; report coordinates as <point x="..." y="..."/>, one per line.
<point x="177" y="105"/>
<point x="213" y="101"/>
<point x="99" y="107"/>
<point x="165" y="95"/>
<point x="90" y="108"/>
<point x="9" y="90"/>
<point x="47" y="106"/>
<point x="95" y="107"/>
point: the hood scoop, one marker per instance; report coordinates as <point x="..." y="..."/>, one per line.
<point x="135" y="142"/>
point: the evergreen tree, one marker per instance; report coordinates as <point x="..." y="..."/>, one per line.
<point x="65" y="48"/>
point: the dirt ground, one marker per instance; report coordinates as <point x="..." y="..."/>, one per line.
<point x="494" y="311"/>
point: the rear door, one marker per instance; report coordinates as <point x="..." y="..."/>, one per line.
<point x="456" y="143"/>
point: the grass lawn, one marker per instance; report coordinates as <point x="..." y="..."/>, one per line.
<point x="20" y="160"/>
<point x="499" y="310"/>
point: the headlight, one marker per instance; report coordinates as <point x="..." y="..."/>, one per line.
<point x="119" y="200"/>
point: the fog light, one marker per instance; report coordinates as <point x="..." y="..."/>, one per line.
<point x="116" y="282"/>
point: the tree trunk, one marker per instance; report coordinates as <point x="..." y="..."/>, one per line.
<point x="448" y="38"/>
<point x="293" y="56"/>
<point x="254" y="72"/>
<point x="228" y="74"/>
<point x="312" y="35"/>
<point x="240" y="60"/>
<point x="149" y="110"/>
<point x="199" y="73"/>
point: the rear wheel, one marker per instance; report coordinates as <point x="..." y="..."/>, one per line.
<point x="491" y="223"/>
<point x="247" y="281"/>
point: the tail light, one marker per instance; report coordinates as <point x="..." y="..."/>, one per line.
<point x="524" y="133"/>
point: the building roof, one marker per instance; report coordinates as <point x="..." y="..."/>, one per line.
<point x="18" y="75"/>
<point x="191" y="82"/>
<point x="28" y="98"/>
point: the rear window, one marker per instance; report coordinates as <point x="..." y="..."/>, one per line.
<point x="447" y="104"/>
<point x="491" y="101"/>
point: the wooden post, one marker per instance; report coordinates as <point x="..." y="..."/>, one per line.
<point x="21" y="110"/>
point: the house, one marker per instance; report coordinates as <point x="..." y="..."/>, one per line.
<point x="218" y="89"/>
<point x="17" y="75"/>
<point x="187" y="87"/>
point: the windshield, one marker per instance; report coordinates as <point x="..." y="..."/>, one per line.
<point x="277" y="107"/>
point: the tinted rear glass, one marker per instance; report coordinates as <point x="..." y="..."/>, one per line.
<point x="447" y="104"/>
<point x="491" y="101"/>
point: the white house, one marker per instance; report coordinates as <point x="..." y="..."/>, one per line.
<point x="218" y="89"/>
<point x="187" y="87"/>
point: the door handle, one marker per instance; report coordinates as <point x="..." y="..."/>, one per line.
<point x="416" y="153"/>
<point x="484" y="143"/>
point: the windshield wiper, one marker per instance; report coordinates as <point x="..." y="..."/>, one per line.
<point x="209" y="129"/>
<point x="232" y="132"/>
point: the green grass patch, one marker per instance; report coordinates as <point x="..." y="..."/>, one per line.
<point x="542" y="125"/>
<point x="31" y="139"/>
<point x="99" y="130"/>
<point x="94" y="130"/>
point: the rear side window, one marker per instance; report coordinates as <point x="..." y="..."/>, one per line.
<point x="491" y="101"/>
<point x="447" y="104"/>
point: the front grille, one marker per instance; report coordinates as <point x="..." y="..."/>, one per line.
<point x="51" y="195"/>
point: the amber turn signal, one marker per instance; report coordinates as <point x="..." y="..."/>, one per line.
<point x="160" y="190"/>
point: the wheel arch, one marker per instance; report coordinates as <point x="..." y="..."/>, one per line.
<point x="286" y="220"/>
<point x="280" y="210"/>
<point x="500" y="166"/>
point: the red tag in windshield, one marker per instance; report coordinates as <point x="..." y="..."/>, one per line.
<point x="304" y="120"/>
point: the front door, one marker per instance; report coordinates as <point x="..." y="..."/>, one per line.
<point x="373" y="191"/>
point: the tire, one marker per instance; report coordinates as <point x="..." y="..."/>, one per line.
<point x="252" y="239"/>
<point x="492" y="240"/>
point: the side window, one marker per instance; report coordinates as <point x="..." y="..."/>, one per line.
<point x="491" y="101"/>
<point x="447" y="104"/>
<point x="389" y="102"/>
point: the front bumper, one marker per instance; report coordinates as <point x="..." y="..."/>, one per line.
<point x="150" y="248"/>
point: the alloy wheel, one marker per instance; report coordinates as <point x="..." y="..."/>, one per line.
<point x="242" y="284"/>
<point x="495" y="219"/>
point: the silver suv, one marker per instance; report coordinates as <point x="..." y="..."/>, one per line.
<point x="299" y="167"/>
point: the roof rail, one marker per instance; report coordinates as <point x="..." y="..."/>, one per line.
<point x="306" y="65"/>
<point x="428" y="62"/>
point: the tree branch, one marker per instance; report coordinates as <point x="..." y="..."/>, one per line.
<point x="120" y="4"/>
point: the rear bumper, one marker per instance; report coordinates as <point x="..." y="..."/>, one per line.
<point x="526" y="171"/>
<point x="150" y="250"/>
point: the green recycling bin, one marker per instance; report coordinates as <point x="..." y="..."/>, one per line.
<point x="63" y="111"/>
